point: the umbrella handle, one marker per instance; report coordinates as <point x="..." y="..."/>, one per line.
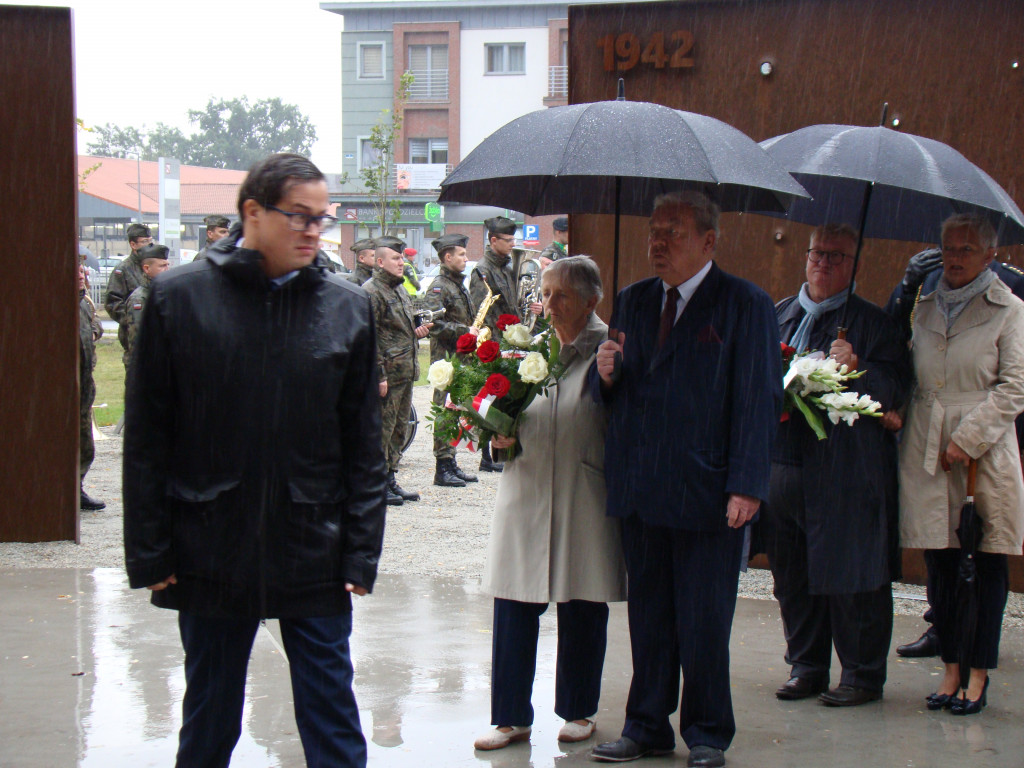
<point x="972" y="477"/>
<point x="841" y="333"/>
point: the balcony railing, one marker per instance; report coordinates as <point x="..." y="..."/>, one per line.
<point x="429" y="85"/>
<point x="558" y="82"/>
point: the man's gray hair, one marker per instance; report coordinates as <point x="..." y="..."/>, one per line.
<point x="705" y="210"/>
<point x="578" y="272"/>
<point x="834" y="230"/>
<point x="979" y="224"/>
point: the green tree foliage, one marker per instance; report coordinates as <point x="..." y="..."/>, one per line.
<point x="377" y="176"/>
<point x="231" y="134"/>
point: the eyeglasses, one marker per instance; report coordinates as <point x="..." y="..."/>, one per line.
<point x="831" y="257"/>
<point x="300" y="222"/>
<point x="665" y="233"/>
<point x="506" y="238"/>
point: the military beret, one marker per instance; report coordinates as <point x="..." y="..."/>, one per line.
<point x="366" y="244"/>
<point x="387" y="241"/>
<point x="560" y="224"/>
<point x="216" y="220"/>
<point x="449" y="241"/>
<point x="499" y="225"/>
<point x="410" y="252"/>
<point x="153" y="251"/>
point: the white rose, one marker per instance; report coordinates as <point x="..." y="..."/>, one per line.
<point x="440" y="374"/>
<point x="534" y="368"/>
<point x="518" y="336"/>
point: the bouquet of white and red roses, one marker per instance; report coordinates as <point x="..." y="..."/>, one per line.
<point x="489" y="384"/>
<point x="815" y="382"/>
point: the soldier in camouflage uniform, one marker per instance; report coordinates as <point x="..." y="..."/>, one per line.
<point x="154" y="261"/>
<point x="217" y="228"/>
<point x="365" y="251"/>
<point x="493" y="270"/>
<point x="448" y="292"/>
<point x="558" y="249"/>
<point x="89" y="330"/>
<point x="397" y="339"/>
<point x="125" y="278"/>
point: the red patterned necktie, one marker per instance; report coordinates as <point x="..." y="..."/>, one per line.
<point x="668" y="315"/>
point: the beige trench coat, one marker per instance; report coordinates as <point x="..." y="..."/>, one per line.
<point x="970" y="386"/>
<point x="550" y="538"/>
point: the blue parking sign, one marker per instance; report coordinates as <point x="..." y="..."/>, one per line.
<point x="531" y="233"/>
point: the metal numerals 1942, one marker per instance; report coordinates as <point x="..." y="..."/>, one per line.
<point x="626" y="50"/>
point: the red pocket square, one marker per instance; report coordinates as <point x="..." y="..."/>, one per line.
<point x="709" y="335"/>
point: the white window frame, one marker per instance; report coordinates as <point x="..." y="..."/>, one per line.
<point x="506" y="46"/>
<point x="359" y="151"/>
<point x="383" y="60"/>
<point x="430" y="148"/>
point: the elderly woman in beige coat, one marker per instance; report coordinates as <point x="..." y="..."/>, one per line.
<point x="550" y="539"/>
<point x="968" y="350"/>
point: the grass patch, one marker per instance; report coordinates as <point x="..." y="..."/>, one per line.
<point x="109" y="376"/>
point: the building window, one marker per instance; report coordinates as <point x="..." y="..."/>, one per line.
<point x="428" y="65"/>
<point x="368" y="154"/>
<point x="371" y="61"/>
<point x="505" y="58"/>
<point x="428" y="151"/>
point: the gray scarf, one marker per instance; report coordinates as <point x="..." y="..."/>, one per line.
<point x="953" y="301"/>
<point x="812" y="311"/>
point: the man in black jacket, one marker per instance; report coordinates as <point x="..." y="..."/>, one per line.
<point x="253" y="468"/>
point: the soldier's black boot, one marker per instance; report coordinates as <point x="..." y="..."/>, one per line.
<point x="89" y="504"/>
<point x="393" y="499"/>
<point x="460" y="474"/>
<point x="444" y="475"/>
<point x="395" y="488"/>
<point x="486" y="465"/>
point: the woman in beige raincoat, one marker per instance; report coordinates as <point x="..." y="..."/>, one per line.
<point x="550" y="540"/>
<point x="968" y="350"/>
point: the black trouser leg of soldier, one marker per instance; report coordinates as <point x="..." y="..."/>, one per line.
<point x="86" y="446"/>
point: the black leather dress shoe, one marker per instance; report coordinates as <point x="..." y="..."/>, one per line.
<point x="705" y="757"/>
<point x="926" y="645"/>
<point x="90" y="504"/>
<point x="848" y="696"/>
<point x="800" y="688"/>
<point x="624" y="750"/>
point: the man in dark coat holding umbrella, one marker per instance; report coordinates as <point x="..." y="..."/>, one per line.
<point x="253" y="467"/>
<point x="830" y="526"/>
<point x="693" y="407"/>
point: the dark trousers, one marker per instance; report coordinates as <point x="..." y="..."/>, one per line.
<point x="993" y="585"/>
<point x="582" y="639"/>
<point x="216" y="660"/>
<point x="859" y="624"/>
<point x="682" y="597"/>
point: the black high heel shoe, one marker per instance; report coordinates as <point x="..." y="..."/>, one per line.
<point x="936" y="701"/>
<point x="967" y="706"/>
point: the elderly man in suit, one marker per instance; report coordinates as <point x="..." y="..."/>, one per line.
<point x="693" y="379"/>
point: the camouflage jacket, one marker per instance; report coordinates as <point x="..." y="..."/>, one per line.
<point x="393" y="319"/>
<point x="360" y="274"/>
<point x="136" y="303"/>
<point x="447" y="291"/>
<point x="89" y="330"/>
<point x="494" y="271"/>
<point x="125" y="278"/>
<point x="554" y="252"/>
<point x="202" y="252"/>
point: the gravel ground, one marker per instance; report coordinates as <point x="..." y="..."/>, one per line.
<point x="443" y="535"/>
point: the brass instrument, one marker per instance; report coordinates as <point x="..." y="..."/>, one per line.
<point x="527" y="282"/>
<point x="481" y="315"/>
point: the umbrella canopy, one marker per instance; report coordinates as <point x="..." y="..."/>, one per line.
<point x="911" y="183"/>
<point x="617" y="157"/>
<point x="90" y="259"/>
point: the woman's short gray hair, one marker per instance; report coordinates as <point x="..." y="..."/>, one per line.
<point x="578" y="272"/>
<point x="977" y="223"/>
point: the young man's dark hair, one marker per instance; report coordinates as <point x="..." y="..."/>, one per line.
<point x="271" y="177"/>
<point x="136" y="230"/>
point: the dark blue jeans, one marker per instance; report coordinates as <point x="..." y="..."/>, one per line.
<point x="216" y="659"/>
<point x="582" y="637"/>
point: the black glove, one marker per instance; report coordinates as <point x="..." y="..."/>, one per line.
<point x="919" y="266"/>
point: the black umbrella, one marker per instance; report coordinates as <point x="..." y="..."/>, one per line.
<point x="617" y="157"/>
<point x="896" y="186"/>
<point x="969" y="533"/>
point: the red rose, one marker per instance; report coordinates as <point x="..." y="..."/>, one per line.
<point x="488" y="351"/>
<point x="504" y="321"/>
<point x="787" y="351"/>
<point x="497" y="385"/>
<point x="465" y="344"/>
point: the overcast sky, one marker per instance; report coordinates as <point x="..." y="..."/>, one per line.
<point x="150" y="61"/>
